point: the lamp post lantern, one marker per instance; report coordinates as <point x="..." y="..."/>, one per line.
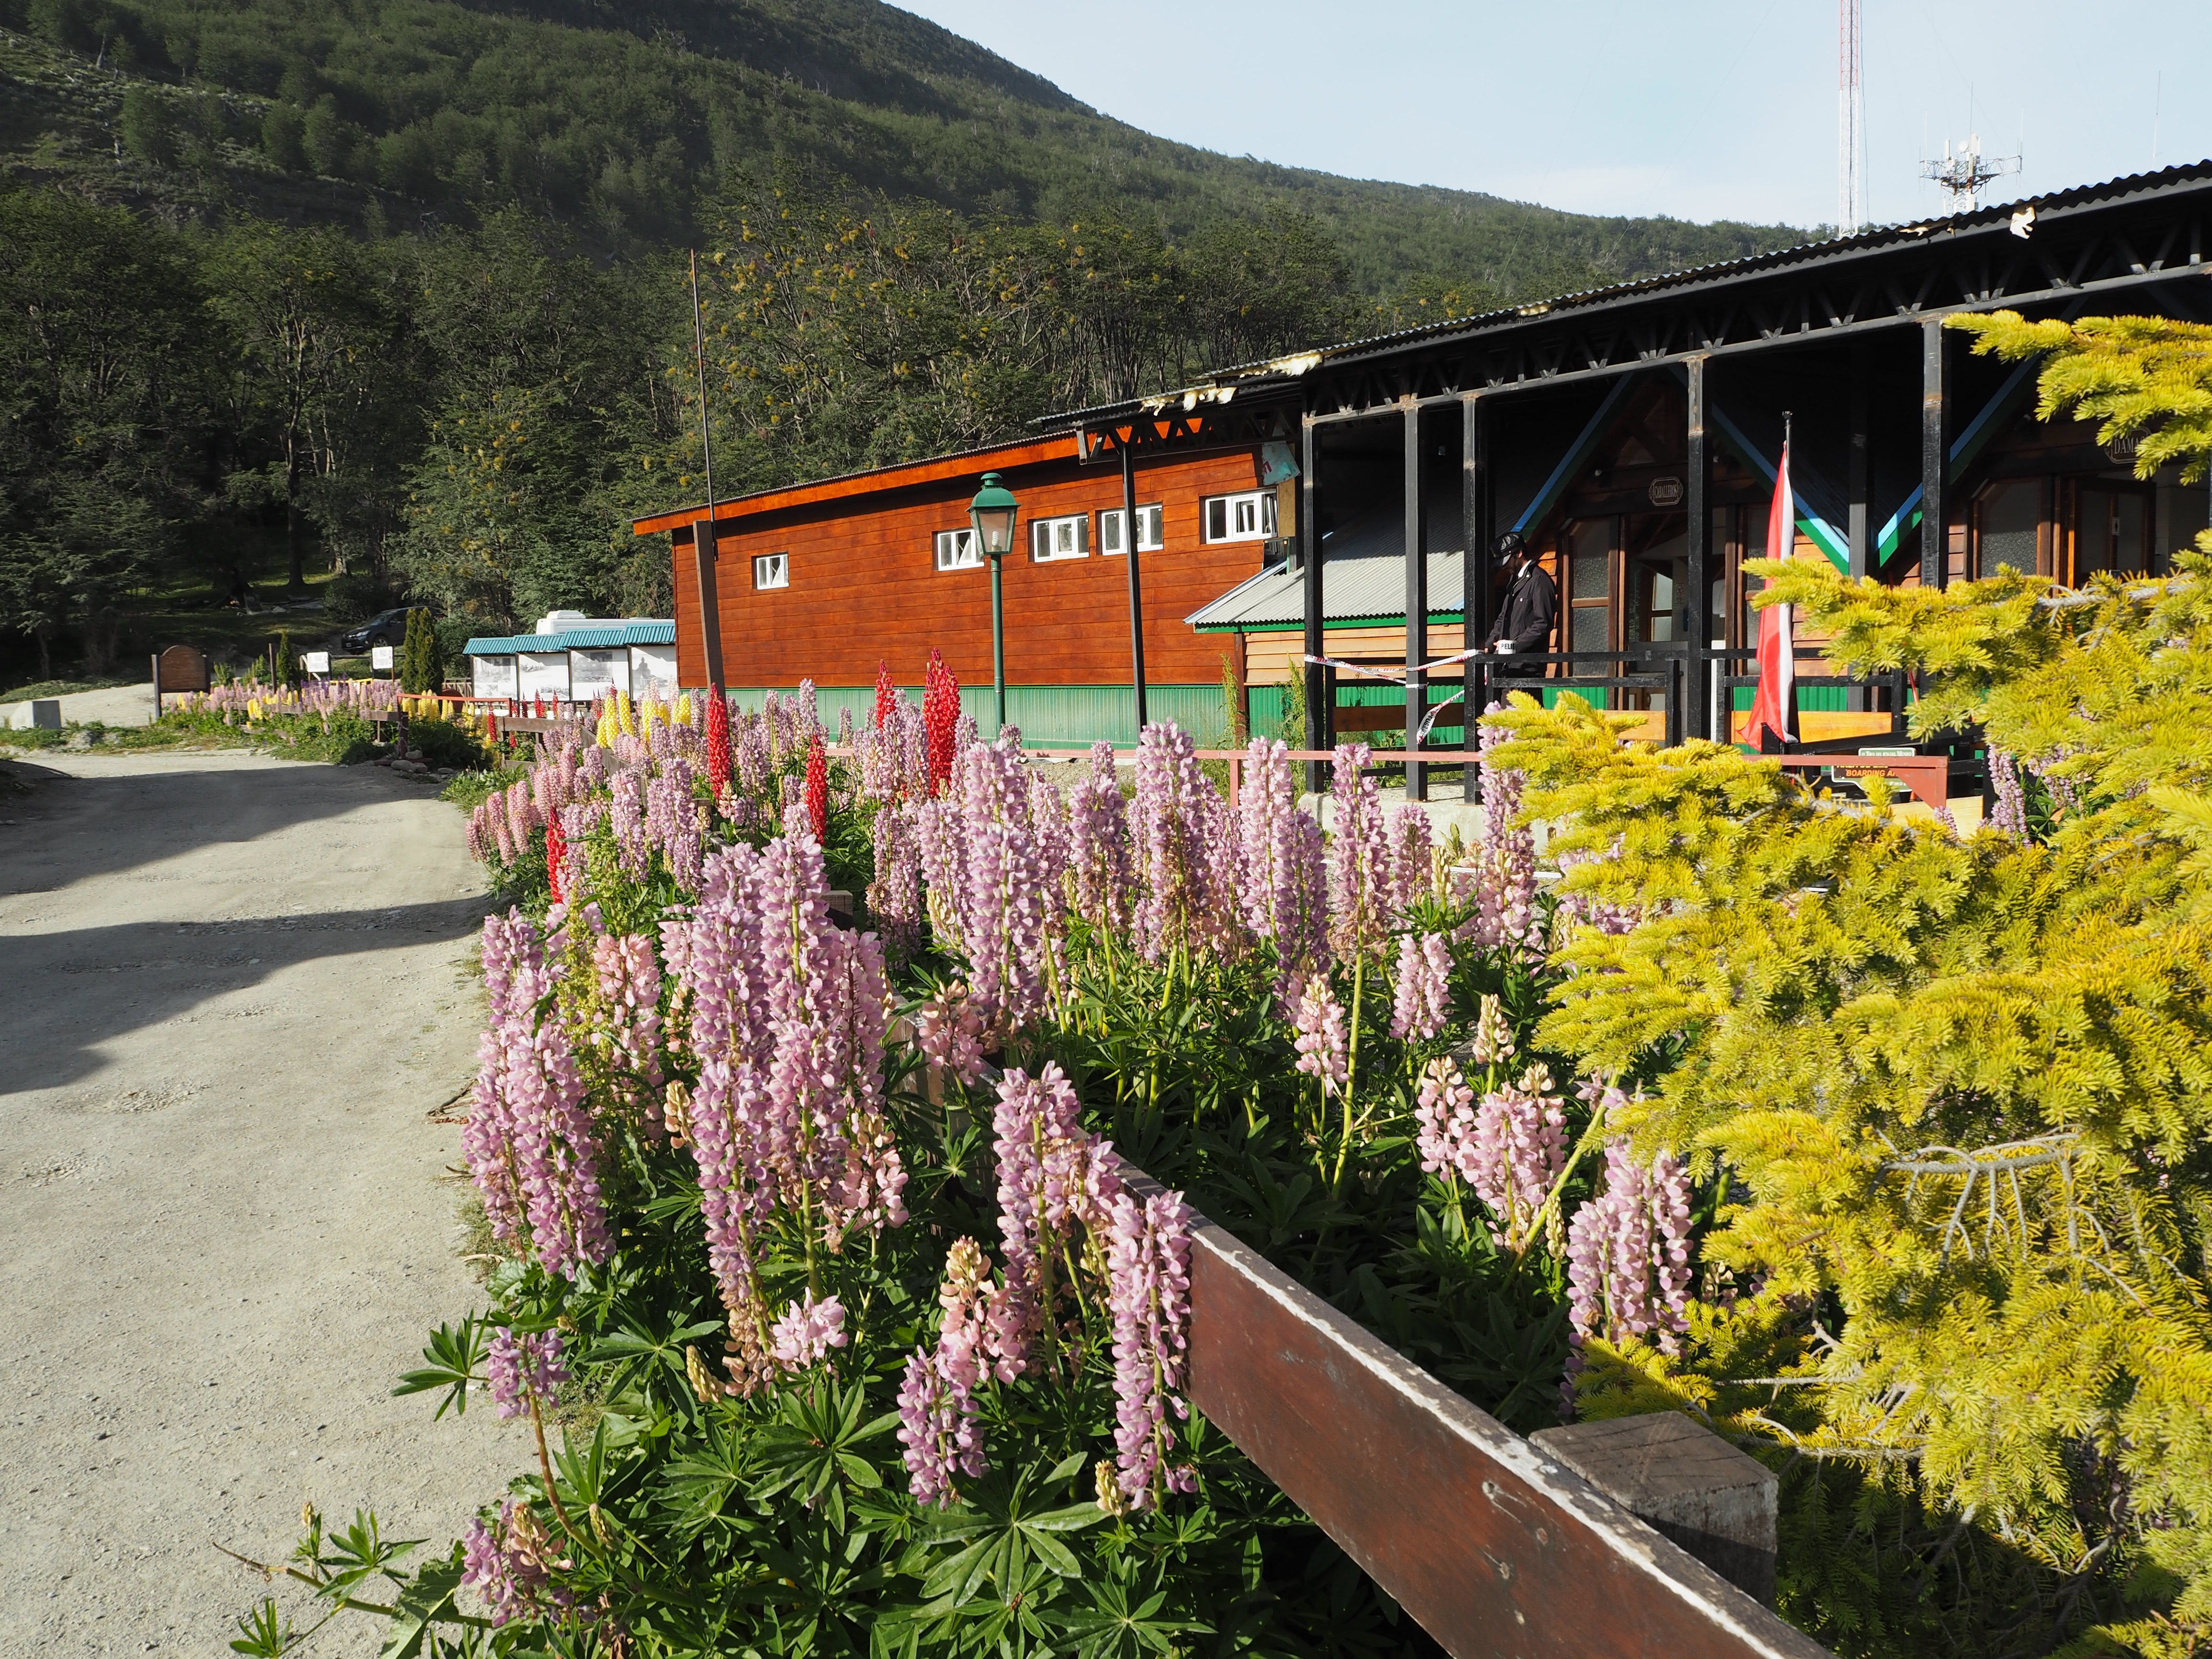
<point x="993" y="513"/>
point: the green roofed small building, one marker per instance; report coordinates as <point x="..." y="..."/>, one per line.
<point x="572" y="658"/>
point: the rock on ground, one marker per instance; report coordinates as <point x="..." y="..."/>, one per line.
<point x="236" y="993"/>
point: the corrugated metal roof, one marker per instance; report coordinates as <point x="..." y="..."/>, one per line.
<point x="645" y="631"/>
<point x="1222" y="384"/>
<point x="1353" y="590"/>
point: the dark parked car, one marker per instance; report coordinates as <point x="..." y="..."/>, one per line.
<point x="386" y="628"/>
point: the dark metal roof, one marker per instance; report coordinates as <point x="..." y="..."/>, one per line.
<point x="1224" y="384"/>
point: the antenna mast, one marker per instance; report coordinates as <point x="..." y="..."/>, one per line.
<point x="1964" y="170"/>
<point x="1850" y="123"/>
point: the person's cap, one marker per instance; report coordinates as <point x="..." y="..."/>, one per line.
<point x="1510" y="546"/>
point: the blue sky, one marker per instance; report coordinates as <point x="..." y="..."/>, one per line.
<point x="1704" y="110"/>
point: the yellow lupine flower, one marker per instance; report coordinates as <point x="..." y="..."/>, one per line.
<point x="684" y="709"/>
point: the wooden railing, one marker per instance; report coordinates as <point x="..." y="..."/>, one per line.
<point x="1493" y="1547"/>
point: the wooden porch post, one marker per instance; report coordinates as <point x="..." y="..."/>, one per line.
<point x="1698" y="676"/>
<point x="1320" y="726"/>
<point x="1935" y="494"/>
<point x="1417" y="599"/>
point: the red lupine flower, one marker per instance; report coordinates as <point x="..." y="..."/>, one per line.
<point x="717" y="740"/>
<point x="940" y="717"/>
<point x="886" y="693"/>
<point x="556" y="854"/>
<point x="817" y="787"/>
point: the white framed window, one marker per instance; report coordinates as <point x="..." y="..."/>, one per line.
<point x="772" y="570"/>
<point x="1149" y="539"/>
<point x="1249" y="517"/>
<point x="1067" y="537"/>
<point x="956" y="550"/>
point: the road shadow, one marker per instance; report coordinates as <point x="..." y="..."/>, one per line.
<point x="64" y="827"/>
<point x="72" y="991"/>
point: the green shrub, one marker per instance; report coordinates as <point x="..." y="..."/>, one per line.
<point x="421" y="662"/>
<point x="442" y="743"/>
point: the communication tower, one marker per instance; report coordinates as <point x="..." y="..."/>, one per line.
<point x="1964" y="170"/>
<point x="1851" y="124"/>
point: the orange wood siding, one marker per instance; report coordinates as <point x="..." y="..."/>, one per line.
<point x="864" y="585"/>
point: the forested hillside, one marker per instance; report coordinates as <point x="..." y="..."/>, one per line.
<point x="397" y="288"/>
<point x="623" y="121"/>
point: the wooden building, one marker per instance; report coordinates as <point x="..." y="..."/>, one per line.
<point x="825" y="581"/>
<point x="1630" y="433"/>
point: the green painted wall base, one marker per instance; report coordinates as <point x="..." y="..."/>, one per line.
<point x="1048" y="715"/>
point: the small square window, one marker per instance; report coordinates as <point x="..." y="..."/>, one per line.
<point x="955" y="550"/>
<point x="1249" y="517"/>
<point x="772" y="570"/>
<point x="1148" y="530"/>
<point x="1067" y="537"/>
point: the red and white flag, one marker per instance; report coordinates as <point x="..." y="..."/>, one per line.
<point x="1774" y="704"/>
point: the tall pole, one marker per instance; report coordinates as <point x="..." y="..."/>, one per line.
<point x="1474" y="578"/>
<point x="1934" y="514"/>
<point x="1319" y="724"/>
<point x="1850" y="121"/>
<point x="703" y="528"/>
<point x="1416" y="504"/>
<point x="997" y="642"/>
<point x="1697" y="679"/>
<point x="1136" y="585"/>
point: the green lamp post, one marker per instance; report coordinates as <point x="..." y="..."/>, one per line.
<point x="993" y="513"/>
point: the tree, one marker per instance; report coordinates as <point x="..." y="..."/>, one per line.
<point x="103" y="414"/>
<point x="302" y="312"/>
<point x="1953" y="1095"/>
<point x="422" y="659"/>
<point x="547" y="422"/>
<point x="149" y="130"/>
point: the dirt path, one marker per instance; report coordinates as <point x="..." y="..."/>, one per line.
<point x="232" y="996"/>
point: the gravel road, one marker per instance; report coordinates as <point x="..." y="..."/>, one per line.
<point x="234" y="994"/>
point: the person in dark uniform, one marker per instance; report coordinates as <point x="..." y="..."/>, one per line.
<point x="1531" y="606"/>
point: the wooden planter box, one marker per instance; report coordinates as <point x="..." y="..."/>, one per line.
<point x="1493" y="1546"/>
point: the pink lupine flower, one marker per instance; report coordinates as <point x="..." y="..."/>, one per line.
<point x="940" y="1430"/>
<point x="1504" y="861"/>
<point x="1185" y="898"/>
<point x="950" y="1030"/>
<point x="1053" y="1173"/>
<point x="533" y="1147"/>
<point x="752" y="746"/>
<point x="1286" y="877"/>
<point x="1422" y="1001"/>
<point x="626" y="812"/>
<point x="1148" y="1266"/>
<point x="1323" y="1043"/>
<point x="525" y="1368"/>
<point x="895" y="894"/>
<point x="1628" y="1252"/>
<point x="1010" y="897"/>
<point x="1098" y="845"/>
<point x="1493" y="1042"/>
<point x="504" y="1566"/>
<point x="942" y="844"/>
<point x="628" y="982"/>
<point x="1517" y="1148"/>
<point x="807" y="1331"/>
<point x="1359" y="883"/>
<point x="1412" y="856"/>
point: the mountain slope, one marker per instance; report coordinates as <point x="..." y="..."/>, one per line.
<point x="623" y="122"/>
